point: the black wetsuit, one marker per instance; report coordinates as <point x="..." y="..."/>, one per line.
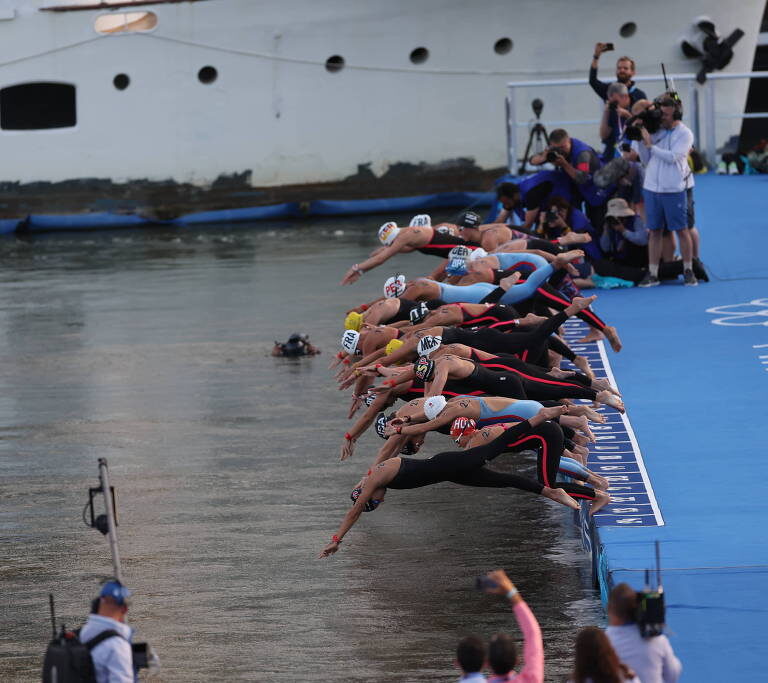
<point x="495" y="314"/>
<point x="442" y="243"/>
<point x="403" y="313"/>
<point x="468" y="467"/>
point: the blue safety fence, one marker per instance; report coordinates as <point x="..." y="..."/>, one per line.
<point x="104" y="220"/>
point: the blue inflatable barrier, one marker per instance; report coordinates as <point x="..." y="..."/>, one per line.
<point x="9" y="225"/>
<point x="443" y="200"/>
<point x="253" y="213"/>
<point x="84" y="221"/>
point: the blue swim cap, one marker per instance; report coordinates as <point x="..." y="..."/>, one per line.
<point x="372" y="503"/>
<point x="457" y="266"/>
<point x="115" y="590"/>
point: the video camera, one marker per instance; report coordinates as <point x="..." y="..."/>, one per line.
<point x="650" y="119"/>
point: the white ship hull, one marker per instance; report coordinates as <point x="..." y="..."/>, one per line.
<point x="276" y="116"/>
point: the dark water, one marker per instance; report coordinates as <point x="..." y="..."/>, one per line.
<point x="151" y="349"/>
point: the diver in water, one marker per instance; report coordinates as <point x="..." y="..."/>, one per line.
<point x="297" y="345"/>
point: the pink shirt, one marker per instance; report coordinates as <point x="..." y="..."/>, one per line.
<point x="533" y="649"/>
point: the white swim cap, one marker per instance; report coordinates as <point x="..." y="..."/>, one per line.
<point x="421" y="220"/>
<point x="433" y="406"/>
<point x="394" y="286"/>
<point x="349" y="341"/>
<point x="429" y="344"/>
<point x="388" y="232"/>
<point x="478" y="253"/>
<point x="459" y="252"/>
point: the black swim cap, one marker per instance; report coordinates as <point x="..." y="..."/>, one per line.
<point x="381" y="424"/>
<point x="372" y="503"/>
<point x="409" y="448"/>
<point x="469" y="219"/>
<point x="418" y="313"/>
<point x="424" y="368"/>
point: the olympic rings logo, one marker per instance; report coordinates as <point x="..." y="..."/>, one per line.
<point x="753" y="312"/>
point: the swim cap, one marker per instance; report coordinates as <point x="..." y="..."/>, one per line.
<point x="456" y="266"/>
<point x="462" y="426"/>
<point x="459" y="251"/>
<point x="469" y="219"/>
<point x="393" y="346"/>
<point x="433" y="406"/>
<point x="353" y="321"/>
<point x="424" y="368"/>
<point x="388" y="232"/>
<point x="409" y="448"/>
<point x="418" y="313"/>
<point x="429" y="344"/>
<point x="420" y="221"/>
<point x="349" y="341"/>
<point x="478" y="253"/>
<point x="381" y="425"/>
<point x="394" y="286"/>
<point x="369" y="398"/>
<point x="372" y="503"/>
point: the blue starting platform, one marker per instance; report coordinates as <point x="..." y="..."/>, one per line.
<point x="687" y="463"/>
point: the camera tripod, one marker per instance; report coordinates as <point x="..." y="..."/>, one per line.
<point x="538" y="139"/>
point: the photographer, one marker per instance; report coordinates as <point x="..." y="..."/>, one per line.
<point x="615" y="115"/>
<point x="502" y="654"/>
<point x="652" y="659"/>
<point x="559" y="218"/>
<point x="297" y="345"/>
<point x="625" y="71"/>
<point x="526" y="199"/>
<point x="663" y="150"/>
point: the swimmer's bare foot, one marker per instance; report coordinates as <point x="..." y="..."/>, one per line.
<point x="601" y="500"/>
<point x="560" y="374"/>
<point x="610" y="399"/>
<point x="613" y="337"/>
<point x="562" y="260"/>
<point x="593" y="336"/>
<point x="575" y="238"/>
<point x="581" y="449"/>
<point x="532" y="319"/>
<point x="603" y="384"/>
<point x="510" y="280"/>
<point x="589" y="413"/>
<point x="583" y="364"/>
<point x="598" y="482"/>
<point x="560" y="496"/>
<point x="579" y="303"/>
<point x="578" y="457"/>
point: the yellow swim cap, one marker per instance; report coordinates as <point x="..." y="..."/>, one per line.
<point x="393" y="346"/>
<point x="354" y="321"/>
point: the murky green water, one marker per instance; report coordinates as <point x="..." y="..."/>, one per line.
<point x="152" y="349"/>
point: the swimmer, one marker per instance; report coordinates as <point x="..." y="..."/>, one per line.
<point x="297" y="345"/>
<point x="467" y="468"/>
<point x="419" y="236"/>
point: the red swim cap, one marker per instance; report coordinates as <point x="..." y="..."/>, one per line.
<point x="462" y="426"/>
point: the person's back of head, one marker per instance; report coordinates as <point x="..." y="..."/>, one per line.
<point x="112" y="601"/>
<point x="470" y="654"/>
<point x="508" y="190"/>
<point x="622" y="605"/>
<point x="502" y="654"/>
<point x="596" y="661"/>
<point x="617" y="88"/>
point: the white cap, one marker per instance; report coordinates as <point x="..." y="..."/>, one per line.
<point x="349" y="341"/>
<point x="388" y="232"/>
<point x="429" y="344"/>
<point x="421" y="220"/>
<point x="433" y="406"/>
<point x="478" y="253"/>
<point x="394" y="286"/>
<point x="459" y="252"/>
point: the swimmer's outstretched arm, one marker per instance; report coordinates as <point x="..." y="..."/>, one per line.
<point x="350" y="438"/>
<point x="436" y="386"/>
<point x="392" y="446"/>
<point x="379" y="477"/>
<point x="447" y="416"/>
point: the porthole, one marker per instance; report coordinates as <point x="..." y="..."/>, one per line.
<point x="334" y="64"/>
<point x="125" y="22"/>
<point x="628" y="30"/>
<point x="207" y="75"/>
<point x="502" y="46"/>
<point x="121" y="81"/>
<point x="419" y="55"/>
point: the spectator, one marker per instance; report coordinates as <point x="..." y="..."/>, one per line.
<point x="112" y="657"/>
<point x="470" y="656"/>
<point x="667" y="174"/>
<point x="615" y="115"/>
<point x="625" y="72"/>
<point x="652" y="658"/>
<point x="597" y="661"/>
<point x="502" y="653"/>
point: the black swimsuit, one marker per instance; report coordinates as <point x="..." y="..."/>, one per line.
<point x="442" y="243"/>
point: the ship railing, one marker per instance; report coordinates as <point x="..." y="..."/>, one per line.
<point x="702" y="109"/>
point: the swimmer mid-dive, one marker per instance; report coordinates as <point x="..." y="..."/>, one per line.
<point x="467" y="468"/>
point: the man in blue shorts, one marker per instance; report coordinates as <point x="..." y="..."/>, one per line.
<point x="665" y="157"/>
